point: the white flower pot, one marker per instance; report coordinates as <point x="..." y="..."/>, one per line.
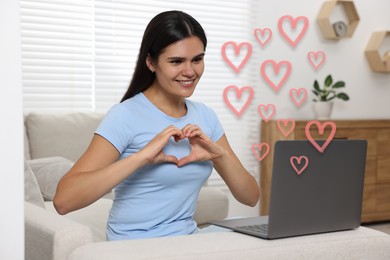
<point x="322" y="109"/>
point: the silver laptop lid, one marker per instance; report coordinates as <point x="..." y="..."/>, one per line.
<point x="313" y="192"/>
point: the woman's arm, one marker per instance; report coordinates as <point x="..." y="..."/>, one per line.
<point x="240" y="182"/>
<point x="98" y="170"/>
<point x="95" y="174"/>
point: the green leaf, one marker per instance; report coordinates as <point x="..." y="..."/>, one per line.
<point x="331" y="95"/>
<point x="339" y="84"/>
<point x="317" y="86"/>
<point x="343" y="96"/>
<point x="315" y="92"/>
<point x="328" y="81"/>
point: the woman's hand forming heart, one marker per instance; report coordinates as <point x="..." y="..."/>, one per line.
<point x="153" y="151"/>
<point x="202" y="147"/>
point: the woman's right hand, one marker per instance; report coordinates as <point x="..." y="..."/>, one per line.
<point x="153" y="151"/>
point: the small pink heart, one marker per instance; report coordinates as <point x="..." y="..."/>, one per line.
<point x="293" y="24"/>
<point x="237" y="49"/>
<point x="316" y="59"/>
<point x="238" y="92"/>
<point x="257" y="149"/>
<point x="296" y="162"/>
<point x="321" y="129"/>
<point x="298" y="96"/>
<point x="263" y="35"/>
<point x="266" y="111"/>
<point x="286" y="126"/>
<point x="276" y="68"/>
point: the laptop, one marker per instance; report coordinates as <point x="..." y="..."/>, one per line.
<point x="317" y="194"/>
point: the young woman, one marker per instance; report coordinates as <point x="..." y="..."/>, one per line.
<point x="156" y="147"/>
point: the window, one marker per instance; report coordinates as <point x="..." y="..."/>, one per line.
<point x="79" y="55"/>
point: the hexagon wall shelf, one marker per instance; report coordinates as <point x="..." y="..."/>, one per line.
<point x="338" y="30"/>
<point x="376" y="61"/>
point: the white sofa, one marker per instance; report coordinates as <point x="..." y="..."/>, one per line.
<point x="53" y="141"/>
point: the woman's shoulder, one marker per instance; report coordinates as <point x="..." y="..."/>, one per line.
<point x="128" y="104"/>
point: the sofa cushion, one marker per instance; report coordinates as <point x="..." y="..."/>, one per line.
<point x="64" y="134"/>
<point x="32" y="193"/>
<point x="213" y="204"/>
<point x="48" y="172"/>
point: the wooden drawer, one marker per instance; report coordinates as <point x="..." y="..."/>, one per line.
<point x="376" y="202"/>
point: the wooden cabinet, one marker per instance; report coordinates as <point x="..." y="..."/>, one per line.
<point x="376" y="196"/>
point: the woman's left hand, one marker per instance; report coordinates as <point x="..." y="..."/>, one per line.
<point x="202" y="147"/>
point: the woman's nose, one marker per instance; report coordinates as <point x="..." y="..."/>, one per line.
<point x="188" y="70"/>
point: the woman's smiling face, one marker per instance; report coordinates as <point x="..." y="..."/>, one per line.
<point x="179" y="67"/>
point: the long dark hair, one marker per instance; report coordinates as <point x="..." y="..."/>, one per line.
<point x="164" y="29"/>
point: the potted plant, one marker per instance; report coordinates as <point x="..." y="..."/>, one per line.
<point x="324" y="96"/>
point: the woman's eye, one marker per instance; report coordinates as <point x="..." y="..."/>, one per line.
<point x="197" y="60"/>
<point x="175" y="62"/>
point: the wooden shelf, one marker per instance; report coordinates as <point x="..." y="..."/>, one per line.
<point x="376" y="61"/>
<point x="323" y="19"/>
<point x="376" y="195"/>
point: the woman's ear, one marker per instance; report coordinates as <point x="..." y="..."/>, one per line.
<point x="149" y="63"/>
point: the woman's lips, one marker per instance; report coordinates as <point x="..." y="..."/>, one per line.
<point x="186" y="83"/>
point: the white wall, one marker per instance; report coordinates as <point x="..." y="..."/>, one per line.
<point x="11" y="135"/>
<point x="369" y="91"/>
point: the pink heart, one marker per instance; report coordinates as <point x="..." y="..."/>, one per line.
<point x="237" y="50"/>
<point x="298" y="96"/>
<point x="293" y="23"/>
<point x="263" y="35"/>
<point x="276" y="67"/>
<point x="287" y="127"/>
<point x="321" y="129"/>
<point x="257" y="150"/>
<point x="266" y="111"/>
<point x="239" y="92"/>
<point x="296" y="162"/>
<point x="316" y="59"/>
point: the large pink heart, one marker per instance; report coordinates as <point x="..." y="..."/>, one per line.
<point x="237" y="50"/>
<point x="321" y="129"/>
<point x="257" y="149"/>
<point x="239" y="92"/>
<point x="296" y="162"/>
<point x="298" y="96"/>
<point x="286" y="126"/>
<point x="293" y="23"/>
<point x="276" y="68"/>
<point x="266" y="111"/>
<point x="263" y="35"/>
<point x="316" y="59"/>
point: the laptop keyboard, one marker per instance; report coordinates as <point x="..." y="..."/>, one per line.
<point x="261" y="228"/>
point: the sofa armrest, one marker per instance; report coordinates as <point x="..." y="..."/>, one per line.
<point x="213" y="204"/>
<point x="51" y="237"/>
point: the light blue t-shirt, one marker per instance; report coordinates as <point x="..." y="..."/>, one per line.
<point x="156" y="200"/>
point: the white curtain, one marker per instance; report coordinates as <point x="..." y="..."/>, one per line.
<point x="79" y="55"/>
